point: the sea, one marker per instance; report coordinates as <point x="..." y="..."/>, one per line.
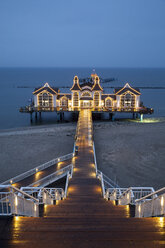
<point x="17" y="85"/>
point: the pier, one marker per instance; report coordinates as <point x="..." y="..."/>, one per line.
<point x="87" y="216"/>
<point x="86" y="94"/>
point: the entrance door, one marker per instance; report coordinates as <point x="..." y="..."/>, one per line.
<point x="86" y="104"/>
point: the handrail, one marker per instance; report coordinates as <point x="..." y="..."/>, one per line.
<point x="20" y="191"/>
<point x="40" y="190"/>
<point x="14" y="201"/>
<point x="95" y="161"/>
<point x="149" y="195"/>
<point x="66" y="185"/>
<point x="112" y="183"/>
<point x="38" y="168"/>
<point x="50" y="177"/>
<point x="125" y="192"/>
<point x="136" y="188"/>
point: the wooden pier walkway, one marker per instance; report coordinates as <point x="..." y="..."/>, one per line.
<point x="41" y="174"/>
<point x="84" y="218"/>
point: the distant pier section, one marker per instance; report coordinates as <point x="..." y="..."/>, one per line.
<point x="87" y="94"/>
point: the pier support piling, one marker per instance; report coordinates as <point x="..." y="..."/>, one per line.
<point x="36" y="116"/>
<point x="31" y="118"/>
<point x="111" y="116"/>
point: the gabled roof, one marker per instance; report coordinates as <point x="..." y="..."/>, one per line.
<point x="76" y="85"/>
<point x="97" y="84"/>
<point x="62" y="95"/>
<point x="87" y="84"/>
<point x="127" y="87"/>
<point x="46" y="87"/>
<point x="104" y="96"/>
<point x="97" y="87"/>
<point x="86" y="88"/>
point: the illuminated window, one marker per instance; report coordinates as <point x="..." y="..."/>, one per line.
<point x="108" y="103"/>
<point x="96" y="99"/>
<point x="64" y="102"/>
<point x="75" y="99"/>
<point x="87" y="94"/>
<point x="45" y="100"/>
<point x="128" y="100"/>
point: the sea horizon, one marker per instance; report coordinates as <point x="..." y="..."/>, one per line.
<point x="18" y="83"/>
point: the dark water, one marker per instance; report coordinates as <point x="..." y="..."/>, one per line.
<point x="12" y="97"/>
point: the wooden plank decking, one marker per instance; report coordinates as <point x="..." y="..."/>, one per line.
<point x="84" y="218"/>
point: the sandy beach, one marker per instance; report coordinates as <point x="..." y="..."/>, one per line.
<point x="25" y="148"/>
<point x="131" y="153"/>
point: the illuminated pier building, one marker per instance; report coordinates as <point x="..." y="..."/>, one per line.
<point x="89" y="95"/>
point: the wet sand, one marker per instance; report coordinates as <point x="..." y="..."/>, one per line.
<point x="25" y="148"/>
<point x="133" y="154"/>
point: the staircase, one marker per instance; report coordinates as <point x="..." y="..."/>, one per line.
<point x="84" y="218"/>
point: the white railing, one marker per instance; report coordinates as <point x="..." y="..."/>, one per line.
<point x="133" y="193"/>
<point x="16" y="202"/>
<point x="95" y="160"/>
<point x="102" y="184"/>
<point x="114" y="193"/>
<point x="151" y="205"/>
<point x="52" y="177"/>
<point x="106" y="184"/>
<point x="45" y="195"/>
<point x="69" y="175"/>
<point x="39" y="168"/>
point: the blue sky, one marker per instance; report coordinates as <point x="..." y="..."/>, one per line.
<point x="82" y="33"/>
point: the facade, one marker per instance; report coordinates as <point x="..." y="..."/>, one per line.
<point x="87" y="95"/>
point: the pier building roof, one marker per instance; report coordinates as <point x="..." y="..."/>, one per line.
<point x="46" y="87"/>
<point x="64" y="95"/>
<point x="104" y="96"/>
<point x="127" y="87"/>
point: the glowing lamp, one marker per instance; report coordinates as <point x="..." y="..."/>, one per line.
<point x="16" y="201"/>
<point x="162" y="201"/>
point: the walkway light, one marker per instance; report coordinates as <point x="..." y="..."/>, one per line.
<point x="11" y="181"/>
<point x="16" y="201"/>
<point x="139" y="209"/>
<point x="128" y="196"/>
<point x="162" y="201"/>
<point x="35" y="207"/>
<point x="36" y="169"/>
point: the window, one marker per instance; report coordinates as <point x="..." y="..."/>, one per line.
<point x="128" y="100"/>
<point x="64" y="102"/>
<point x="108" y="103"/>
<point x="45" y="100"/>
<point x="87" y="94"/>
<point x="96" y="99"/>
<point x="75" y="99"/>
